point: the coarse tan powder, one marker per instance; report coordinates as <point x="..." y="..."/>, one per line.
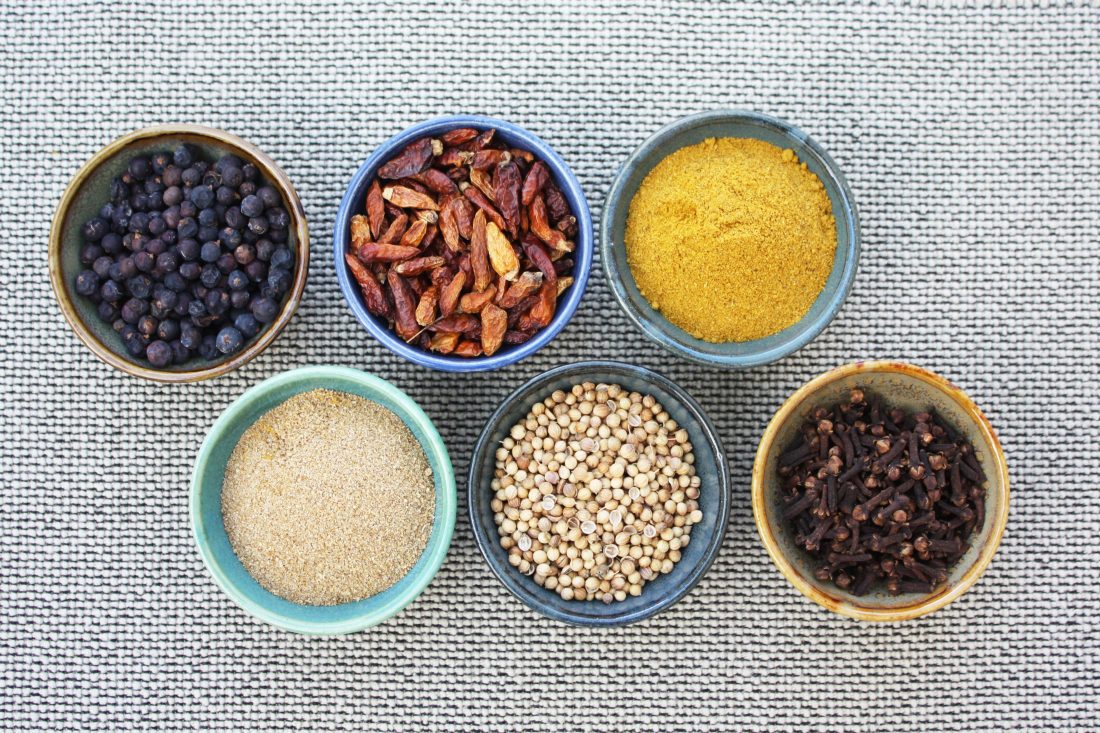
<point x="731" y="239"/>
<point x="328" y="498"/>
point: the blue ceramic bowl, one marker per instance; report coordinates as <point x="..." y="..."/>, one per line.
<point x="690" y="131"/>
<point x="714" y="498"/>
<point x="209" y="529"/>
<point x="354" y="203"/>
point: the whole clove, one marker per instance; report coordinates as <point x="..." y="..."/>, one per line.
<point x="881" y="497"/>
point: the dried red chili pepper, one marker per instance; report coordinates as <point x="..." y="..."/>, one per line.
<point x="417" y="266"/>
<point x="409" y="198"/>
<point x="468" y="349"/>
<point x="360" y="230"/>
<point x="412" y="160"/>
<point x="506" y="185"/>
<point x="526" y="284"/>
<point x="464" y="214"/>
<point x="455" y="157"/>
<point x="374" y="298"/>
<point x="534" y="250"/>
<point x="376" y="208"/>
<point x="484" y="182"/>
<point x="438" y="181"/>
<point x="479" y="199"/>
<point x="483" y="160"/>
<point x="542" y="312"/>
<point x="567" y="226"/>
<point x="474" y="302"/>
<point x="494" y="323"/>
<point x="458" y="136"/>
<point x="540" y="227"/>
<point x="382" y="252"/>
<point x="448" y="227"/>
<point x="555" y="201"/>
<point x="456" y="323"/>
<point x="535" y="181"/>
<point x="444" y="343"/>
<point x="425" y="309"/>
<point x="394" y="230"/>
<point x="479" y="253"/>
<point x="451" y="292"/>
<point x="403" y="305"/>
<point x="482" y="140"/>
<point x="414" y="234"/>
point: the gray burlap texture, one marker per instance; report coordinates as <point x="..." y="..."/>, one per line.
<point x="969" y="134"/>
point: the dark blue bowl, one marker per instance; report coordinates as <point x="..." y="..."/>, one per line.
<point x="714" y="498"/>
<point x="354" y="202"/>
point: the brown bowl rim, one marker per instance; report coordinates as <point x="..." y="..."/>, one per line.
<point x="268" y="168"/>
<point x="842" y="606"/>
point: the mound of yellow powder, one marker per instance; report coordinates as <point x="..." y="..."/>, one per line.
<point x="731" y="239"/>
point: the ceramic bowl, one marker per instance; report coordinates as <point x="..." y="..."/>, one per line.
<point x="354" y="202"/>
<point x="209" y="529"/>
<point x="89" y="190"/>
<point x="912" y="389"/>
<point x="690" y="131"/>
<point x="710" y="466"/>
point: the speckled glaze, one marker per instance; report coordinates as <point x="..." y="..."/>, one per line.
<point x="690" y="131"/>
<point x="714" y="499"/>
<point x="910" y="388"/>
<point x="87" y="193"/>
<point x="354" y="202"/>
<point x="209" y="529"/>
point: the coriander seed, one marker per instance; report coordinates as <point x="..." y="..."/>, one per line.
<point x="595" y="492"/>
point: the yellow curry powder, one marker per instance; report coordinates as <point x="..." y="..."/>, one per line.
<point x="731" y="239"/>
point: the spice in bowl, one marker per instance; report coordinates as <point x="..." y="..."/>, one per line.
<point x="465" y="244"/>
<point x="595" y="492"/>
<point x="731" y="239"/>
<point x="328" y="498"/>
<point x="189" y="257"/>
<point x="881" y="496"/>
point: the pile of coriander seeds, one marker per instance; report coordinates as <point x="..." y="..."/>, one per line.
<point x="595" y="492"/>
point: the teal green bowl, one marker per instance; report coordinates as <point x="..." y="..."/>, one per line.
<point x="206" y="504"/>
<point x="691" y="130"/>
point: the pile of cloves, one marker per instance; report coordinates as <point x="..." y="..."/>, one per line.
<point x="877" y="494"/>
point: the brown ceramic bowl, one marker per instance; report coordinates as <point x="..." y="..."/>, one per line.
<point x="88" y="191"/>
<point x="910" y="388"/>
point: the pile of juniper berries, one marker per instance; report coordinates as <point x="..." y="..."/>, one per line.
<point x="187" y="258"/>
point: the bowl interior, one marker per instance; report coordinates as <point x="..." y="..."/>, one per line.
<point x="911" y="390"/>
<point x="92" y="192"/>
<point x="354" y="202"/>
<point x="690" y="131"/>
<point x="214" y="543"/>
<point x="714" y="499"/>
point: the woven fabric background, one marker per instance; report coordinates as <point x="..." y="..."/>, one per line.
<point x="969" y="133"/>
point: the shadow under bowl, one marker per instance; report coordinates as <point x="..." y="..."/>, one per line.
<point x="209" y="528"/>
<point x="706" y="536"/>
<point x="354" y="202"/>
<point x="692" y="130"/>
<point x="90" y="189"/>
<point x="912" y="389"/>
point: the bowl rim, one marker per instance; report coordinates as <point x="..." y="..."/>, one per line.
<point x="506" y="575"/>
<point x="439" y="542"/>
<point x="269" y="169"/>
<point x="920" y="607"/>
<point x="583" y="254"/>
<point x="614" y="201"/>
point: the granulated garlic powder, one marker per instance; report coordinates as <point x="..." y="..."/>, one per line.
<point x="328" y="498"/>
